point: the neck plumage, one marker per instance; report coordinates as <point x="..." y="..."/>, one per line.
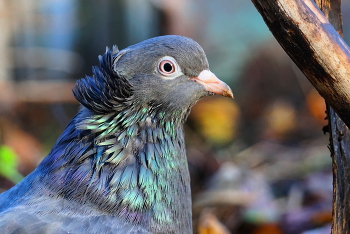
<point x="128" y="164"/>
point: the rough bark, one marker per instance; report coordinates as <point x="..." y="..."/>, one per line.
<point x="332" y="11"/>
<point x="332" y="86"/>
<point x="340" y="150"/>
<point x="339" y="141"/>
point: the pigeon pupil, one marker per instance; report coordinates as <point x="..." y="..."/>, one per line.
<point x="167" y="67"/>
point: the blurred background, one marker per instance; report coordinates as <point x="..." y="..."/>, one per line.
<point x="259" y="163"/>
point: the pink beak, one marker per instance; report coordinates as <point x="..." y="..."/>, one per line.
<point x="213" y="84"/>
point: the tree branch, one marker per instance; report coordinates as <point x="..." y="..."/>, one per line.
<point x="314" y="45"/>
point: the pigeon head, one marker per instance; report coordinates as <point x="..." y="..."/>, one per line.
<point x="167" y="73"/>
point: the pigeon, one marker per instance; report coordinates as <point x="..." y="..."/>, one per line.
<point x="120" y="165"/>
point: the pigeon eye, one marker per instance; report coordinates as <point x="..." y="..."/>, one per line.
<point x="167" y="66"/>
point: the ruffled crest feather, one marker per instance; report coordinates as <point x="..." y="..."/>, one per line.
<point x="105" y="90"/>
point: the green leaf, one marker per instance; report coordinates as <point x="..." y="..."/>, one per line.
<point x="8" y="164"/>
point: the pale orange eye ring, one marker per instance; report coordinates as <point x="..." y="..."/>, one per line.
<point x="166" y="67"/>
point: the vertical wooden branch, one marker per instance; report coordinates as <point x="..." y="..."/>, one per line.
<point x="332" y="11"/>
<point x="339" y="141"/>
<point x="340" y="150"/>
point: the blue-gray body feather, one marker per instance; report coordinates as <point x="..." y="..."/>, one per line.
<point x="120" y="165"/>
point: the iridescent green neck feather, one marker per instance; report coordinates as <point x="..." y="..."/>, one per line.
<point x="137" y="162"/>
